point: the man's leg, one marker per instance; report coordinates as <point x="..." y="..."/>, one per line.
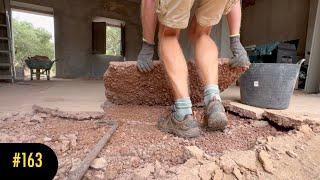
<point x="206" y="56"/>
<point x="234" y="19"/>
<point x="149" y="24"/>
<point x="173" y="59"/>
<point x="206" y="52"/>
<point x="148" y="20"/>
<point x="174" y="15"/>
<point x="240" y="56"/>
<point x="181" y="121"/>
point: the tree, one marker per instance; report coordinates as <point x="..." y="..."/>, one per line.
<point x="30" y="41"/>
<point x="113" y="41"/>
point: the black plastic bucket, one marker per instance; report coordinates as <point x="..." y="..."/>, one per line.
<point x="269" y="85"/>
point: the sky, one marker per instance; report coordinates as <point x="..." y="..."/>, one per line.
<point x="39" y="21"/>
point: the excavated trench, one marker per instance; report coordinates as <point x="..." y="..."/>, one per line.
<point x="136" y="142"/>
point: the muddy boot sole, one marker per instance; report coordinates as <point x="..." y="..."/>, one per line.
<point x="217" y="122"/>
<point x="191" y="133"/>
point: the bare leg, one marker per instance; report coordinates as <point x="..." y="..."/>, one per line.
<point x="234" y="20"/>
<point x="149" y="25"/>
<point x="240" y="57"/>
<point x="149" y="20"/>
<point x="180" y="121"/>
<point x="206" y="55"/>
<point x="174" y="61"/>
<point x="206" y="52"/>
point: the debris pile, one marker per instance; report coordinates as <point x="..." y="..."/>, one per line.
<point x="282" y="157"/>
<point x="71" y="135"/>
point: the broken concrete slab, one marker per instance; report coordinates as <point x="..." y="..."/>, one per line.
<point x="290" y="119"/>
<point x="80" y="116"/>
<point x="126" y="85"/>
<point x="285" y="118"/>
<point x="243" y="110"/>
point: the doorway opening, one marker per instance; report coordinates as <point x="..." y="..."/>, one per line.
<point x="33" y="35"/>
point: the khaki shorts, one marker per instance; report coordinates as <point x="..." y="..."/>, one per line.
<point x="176" y="13"/>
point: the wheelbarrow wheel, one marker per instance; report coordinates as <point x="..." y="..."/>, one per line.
<point x="31" y="74"/>
<point x="48" y="74"/>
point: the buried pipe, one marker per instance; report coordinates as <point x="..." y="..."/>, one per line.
<point x="78" y="173"/>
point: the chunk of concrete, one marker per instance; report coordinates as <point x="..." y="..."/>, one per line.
<point x="266" y="162"/>
<point x="145" y="172"/>
<point x="126" y="85"/>
<point x="283" y="119"/>
<point x="99" y="163"/>
<point x="244" y="110"/>
<point x="292" y="119"/>
<point x="193" y="151"/>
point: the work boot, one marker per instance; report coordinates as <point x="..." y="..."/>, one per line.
<point x="215" y="115"/>
<point x="187" y="128"/>
<point x="145" y="57"/>
<point x="240" y="56"/>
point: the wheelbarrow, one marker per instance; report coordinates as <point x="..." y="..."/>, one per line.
<point x="39" y="65"/>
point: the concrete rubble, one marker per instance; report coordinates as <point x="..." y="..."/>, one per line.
<point x="126" y="85"/>
<point x="99" y="163"/>
<point x="293" y="156"/>
<point x="70" y="135"/>
<point x="248" y="149"/>
<point x="283" y="118"/>
<point x="79" y="116"/>
<point x="243" y="110"/>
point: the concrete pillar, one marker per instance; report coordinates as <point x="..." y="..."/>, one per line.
<point x="313" y="78"/>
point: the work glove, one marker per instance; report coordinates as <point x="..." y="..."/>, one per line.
<point x="240" y="56"/>
<point x="145" y="58"/>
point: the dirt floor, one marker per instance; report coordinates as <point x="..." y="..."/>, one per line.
<point x="136" y="142"/>
<point x="70" y="139"/>
<point x="247" y="149"/>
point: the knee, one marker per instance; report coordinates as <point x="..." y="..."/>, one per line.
<point x="152" y="2"/>
<point x="147" y="5"/>
<point x="198" y="32"/>
<point x="168" y="32"/>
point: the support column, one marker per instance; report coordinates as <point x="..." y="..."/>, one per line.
<point x="313" y="78"/>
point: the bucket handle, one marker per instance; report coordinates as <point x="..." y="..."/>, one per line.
<point x="301" y="62"/>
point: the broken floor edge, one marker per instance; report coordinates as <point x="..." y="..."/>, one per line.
<point x="267" y="114"/>
<point x="232" y="162"/>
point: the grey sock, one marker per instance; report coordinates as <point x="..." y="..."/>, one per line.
<point x="182" y="108"/>
<point x="210" y="92"/>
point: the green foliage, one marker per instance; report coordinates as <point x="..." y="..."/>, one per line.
<point x="30" y="41"/>
<point x="113" y="41"/>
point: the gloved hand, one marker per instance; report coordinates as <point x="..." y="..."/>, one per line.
<point x="145" y="58"/>
<point x="240" y="57"/>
